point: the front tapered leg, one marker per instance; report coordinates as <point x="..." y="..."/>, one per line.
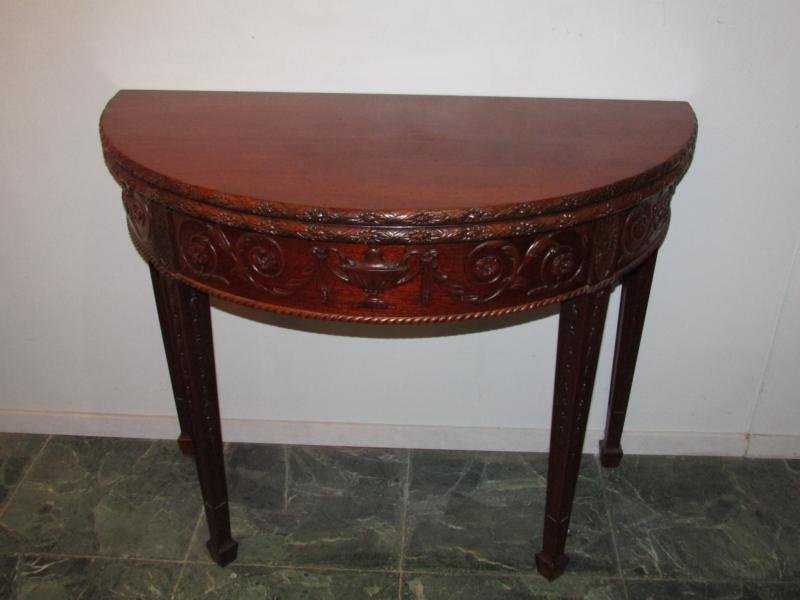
<point x="580" y="331"/>
<point x="196" y="353"/>
<point x="632" y="309"/>
<point x="168" y="319"/>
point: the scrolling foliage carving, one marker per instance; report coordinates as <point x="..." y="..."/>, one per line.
<point x="430" y="279"/>
<point x="547" y="264"/>
<point x="550" y="262"/>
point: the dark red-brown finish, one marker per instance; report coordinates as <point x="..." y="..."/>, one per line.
<point x="196" y="354"/>
<point x="398" y="209"/>
<point x="580" y="330"/>
<point x="168" y="319"/>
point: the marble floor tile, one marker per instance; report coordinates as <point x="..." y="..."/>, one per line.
<point x="793" y="466"/>
<point x="314" y="506"/>
<point x="206" y="582"/>
<point x="673" y="589"/>
<point x="16" y="452"/>
<point x="469" y="586"/>
<point x="48" y="578"/>
<point x="642" y="589"/>
<point x="705" y="518"/>
<point x="102" y="496"/>
<point x="484" y="511"/>
<point x="770" y="591"/>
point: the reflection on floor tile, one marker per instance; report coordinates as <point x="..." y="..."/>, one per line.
<point x="234" y="583"/>
<point x="8" y="565"/>
<point x="707" y="518"/>
<point x="315" y="506"/>
<point x="88" y="496"/>
<point x="514" y="587"/>
<point x="484" y="511"/>
<point x="16" y="452"/>
<point x="40" y="578"/>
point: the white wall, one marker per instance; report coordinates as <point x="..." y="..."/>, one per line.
<point x="81" y="350"/>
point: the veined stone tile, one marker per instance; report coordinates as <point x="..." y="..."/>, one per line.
<point x="514" y="587"/>
<point x="793" y="466"/>
<point x="674" y="589"/>
<point x="711" y="590"/>
<point x="485" y="510"/>
<point x="117" y="497"/>
<point x="770" y="591"/>
<point x="40" y="578"/>
<point x="314" y="506"/>
<point x="201" y="582"/>
<point x="705" y="518"/>
<point x="16" y="452"/>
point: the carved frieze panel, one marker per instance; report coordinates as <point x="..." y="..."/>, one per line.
<point x="394" y="279"/>
<point x="377" y="277"/>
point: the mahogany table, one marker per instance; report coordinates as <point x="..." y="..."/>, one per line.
<point x="399" y="209"/>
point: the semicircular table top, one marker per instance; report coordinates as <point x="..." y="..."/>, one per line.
<point x="384" y="159"/>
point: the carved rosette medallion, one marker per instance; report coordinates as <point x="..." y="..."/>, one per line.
<point x="200" y="245"/>
<point x="645" y="225"/>
<point x="138" y="211"/>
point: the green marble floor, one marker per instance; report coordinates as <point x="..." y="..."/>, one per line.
<point x="116" y="518"/>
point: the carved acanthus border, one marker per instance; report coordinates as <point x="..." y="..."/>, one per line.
<point x="414" y="227"/>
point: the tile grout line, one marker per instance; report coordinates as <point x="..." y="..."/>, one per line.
<point x="286" y="477"/>
<point x="421" y="571"/>
<point x="184" y="562"/>
<point x="204" y="563"/>
<point x="134" y="558"/>
<point x="403" y="522"/>
<point x="24" y="476"/>
<point x="607" y="506"/>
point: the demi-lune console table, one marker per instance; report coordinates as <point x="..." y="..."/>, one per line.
<point x="399" y="209"/>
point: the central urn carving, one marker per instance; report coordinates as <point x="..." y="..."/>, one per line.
<point x="544" y="264"/>
<point x="373" y="274"/>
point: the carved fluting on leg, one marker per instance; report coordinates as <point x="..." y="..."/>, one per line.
<point x="168" y="319"/>
<point x="197" y="359"/>
<point x="632" y="310"/>
<point x="580" y="332"/>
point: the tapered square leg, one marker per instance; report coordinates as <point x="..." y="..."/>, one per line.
<point x="632" y="310"/>
<point x="195" y="352"/>
<point x="580" y="331"/>
<point x="168" y="319"/>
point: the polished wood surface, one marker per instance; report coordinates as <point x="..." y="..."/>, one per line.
<point x="399" y="209"/>
<point x="396" y="155"/>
